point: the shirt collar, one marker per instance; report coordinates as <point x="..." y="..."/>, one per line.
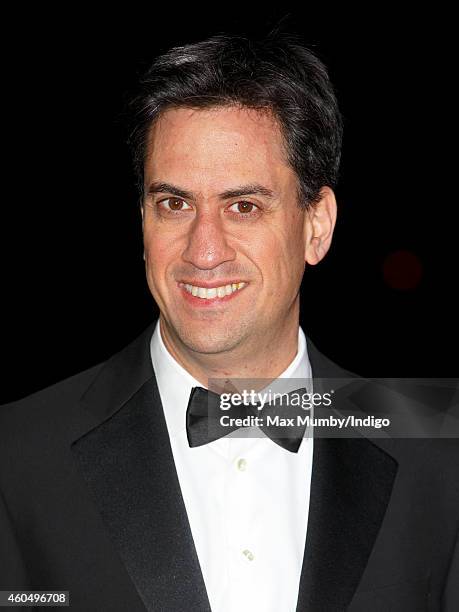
<point x="175" y="383"/>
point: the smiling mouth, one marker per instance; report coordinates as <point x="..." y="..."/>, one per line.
<point x="210" y="293"/>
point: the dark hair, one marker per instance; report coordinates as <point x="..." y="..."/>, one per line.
<point x="276" y="73"/>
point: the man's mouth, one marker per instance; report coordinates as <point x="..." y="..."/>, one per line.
<point x="211" y="293"/>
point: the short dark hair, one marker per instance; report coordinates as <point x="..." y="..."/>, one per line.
<point x="276" y="73"/>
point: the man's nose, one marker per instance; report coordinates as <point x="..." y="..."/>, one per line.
<point x="207" y="245"/>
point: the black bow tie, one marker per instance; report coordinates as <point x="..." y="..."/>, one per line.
<point x="204" y="413"/>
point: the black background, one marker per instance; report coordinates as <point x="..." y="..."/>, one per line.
<point x="74" y="289"/>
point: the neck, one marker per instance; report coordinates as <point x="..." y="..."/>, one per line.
<point x="262" y="362"/>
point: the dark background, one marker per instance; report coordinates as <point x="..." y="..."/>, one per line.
<point x="383" y="303"/>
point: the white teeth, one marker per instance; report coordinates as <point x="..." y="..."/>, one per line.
<point x="213" y="292"/>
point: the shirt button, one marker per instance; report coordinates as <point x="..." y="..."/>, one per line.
<point x="250" y="556"/>
<point x="242" y="465"/>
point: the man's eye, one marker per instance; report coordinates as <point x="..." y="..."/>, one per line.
<point x="242" y="207"/>
<point x="174" y="204"/>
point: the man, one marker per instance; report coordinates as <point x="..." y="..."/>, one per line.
<point x="108" y="493"/>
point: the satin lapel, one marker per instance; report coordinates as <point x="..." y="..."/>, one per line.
<point x="352" y="480"/>
<point x="127" y="462"/>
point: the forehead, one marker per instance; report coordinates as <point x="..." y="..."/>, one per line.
<point x="217" y="142"/>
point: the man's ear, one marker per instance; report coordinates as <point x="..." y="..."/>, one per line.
<point x="320" y="222"/>
<point x="142" y="213"/>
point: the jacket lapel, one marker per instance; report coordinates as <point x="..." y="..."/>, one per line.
<point x="352" y="480"/>
<point x="127" y="462"/>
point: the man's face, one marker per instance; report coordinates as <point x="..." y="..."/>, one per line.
<point x="224" y="268"/>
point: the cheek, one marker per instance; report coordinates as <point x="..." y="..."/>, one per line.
<point x="283" y="256"/>
<point x="158" y="255"/>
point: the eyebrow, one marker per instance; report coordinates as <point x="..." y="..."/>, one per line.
<point x="241" y="190"/>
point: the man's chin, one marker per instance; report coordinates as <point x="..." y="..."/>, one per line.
<point x="207" y="346"/>
<point x="209" y="340"/>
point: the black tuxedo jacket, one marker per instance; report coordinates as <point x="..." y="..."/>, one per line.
<point x="90" y="503"/>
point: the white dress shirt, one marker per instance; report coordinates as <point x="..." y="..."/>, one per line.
<point x="247" y="499"/>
